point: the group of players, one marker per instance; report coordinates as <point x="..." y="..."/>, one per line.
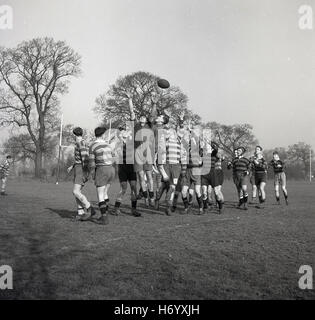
<point x="179" y="160"/>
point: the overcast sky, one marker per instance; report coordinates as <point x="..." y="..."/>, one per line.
<point x="237" y="60"/>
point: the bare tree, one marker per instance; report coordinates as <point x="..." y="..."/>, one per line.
<point x="32" y="78"/>
<point x="229" y="137"/>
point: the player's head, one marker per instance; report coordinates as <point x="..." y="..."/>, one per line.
<point x="9" y="158"/>
<point x="166" y="121"/>
<point x="240" y="151"/>
<point x="78" y="133"/>
<point x="215" y="148"/>
<point x="276" y="156"/>
<point x="159" y="120"/>
<point x="235" y="153"/>
<point x="258" y="149"/>
<point x="143" y="120"/>
<point x="99" y="132"/>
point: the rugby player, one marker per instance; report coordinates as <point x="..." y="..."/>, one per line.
<point x="144" y="152"/>
<point x="4" y="173"/>
<point x="241" y="167"/>
<point x="214" y="179"/>
<point x="81" y="175"/>
<point x="126" y="171"/>
<point x="101" y="160"/>
<point x="260" y="169"/>
<point x="279" y="177"/>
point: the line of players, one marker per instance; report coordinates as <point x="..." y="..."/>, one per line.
<point x="180" y="160"/>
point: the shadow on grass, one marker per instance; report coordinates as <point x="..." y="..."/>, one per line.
<point x="64" y="214"/>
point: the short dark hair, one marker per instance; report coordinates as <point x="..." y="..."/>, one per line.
<point x="9" y="157"/>
<point x="166" y="118"/>
<point x="99" y="131"/>
<point x="78" y="132"/>
<point x="275" y="152"/>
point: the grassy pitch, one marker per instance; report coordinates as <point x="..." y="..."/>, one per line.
<point x="254" y="254"/>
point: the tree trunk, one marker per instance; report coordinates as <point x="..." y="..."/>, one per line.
<point x="38" y="164"/>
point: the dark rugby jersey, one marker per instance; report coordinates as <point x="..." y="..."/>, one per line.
<point x="240" y="165"/>
<point x="278" y="166"/>
<point x="261" y="167"/>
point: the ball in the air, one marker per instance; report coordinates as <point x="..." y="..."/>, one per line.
<point x="163" y="83"/>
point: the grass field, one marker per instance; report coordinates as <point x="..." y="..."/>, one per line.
<point x="237" y="255"/>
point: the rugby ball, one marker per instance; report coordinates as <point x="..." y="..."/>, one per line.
<point x="163" y="84"/>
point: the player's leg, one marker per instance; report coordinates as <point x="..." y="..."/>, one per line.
<point x="133" y="197"/>
<point x="101" y="191"/>
<point x="164" y="186"/>
<point x="103" y="183"/>
<point x="244" y="192"/>
<point x="284" y="187"/>
<point x="204" y="191"/>
<point x="254" y="187"/>
<point x="219" y="196"/>
<point x="277" y="188"/>
<point x="143" y="185"/>
<point x="121" y="194"/>
<point x="170" y="198"/>
<point x="191" y="193"/>
<point x="262" y="192"/>
<point x="150" y="186"/>
<point x="185" y="193"/>
<point x="199" y="196"/>
<point x="82" y="203"/>
<point x="178" y="189"/>
<point x="219" y="178"/>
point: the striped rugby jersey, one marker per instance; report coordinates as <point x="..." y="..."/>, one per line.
<point x="169" y="147"/>
<point x="5" y="168"/>
<point x="278" y="165"/>
<point x="81" y="153"/>
<point x="102" y="153"/>
<point x="240" y="165"/>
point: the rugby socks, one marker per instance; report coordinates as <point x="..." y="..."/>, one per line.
<point x="145" y="194"/>
<point x="245" y="199"/>
<point x="134" y="204"/>
<point x="205" y="203"/>
<point x="151" y="194"/>
<point x="200" y="202"/>
<point x="175" y="201"/>
<point x="185" y="201"/>
<point x="190" y="201"/>
<point x="220" y="204"/>
<point x="103" y="207"/>
<point x="117" y="204"/>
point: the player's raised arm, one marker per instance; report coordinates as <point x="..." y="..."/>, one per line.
<point x="131" y="107"/>
<point x="153" y="115"/>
